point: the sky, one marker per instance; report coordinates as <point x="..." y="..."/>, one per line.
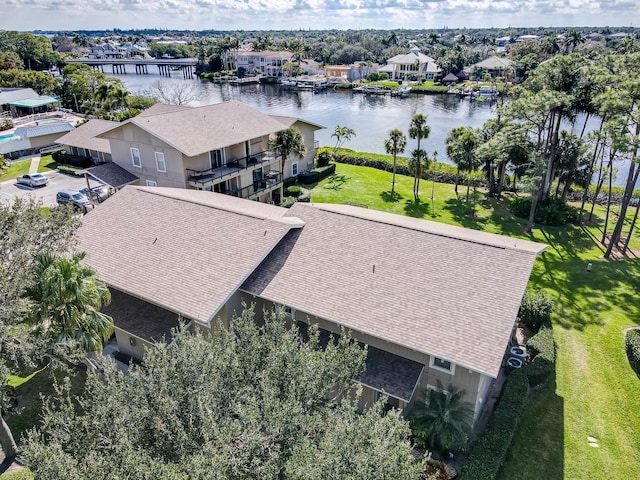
<point x="310" y="14"/>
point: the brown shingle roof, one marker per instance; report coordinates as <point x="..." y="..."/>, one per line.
<point x="194" y="131"/>
<point x="183" y="255"/>
<point x="445" y="291"/>
<point x="112" y="174"/>
<point x="83" y="136"/>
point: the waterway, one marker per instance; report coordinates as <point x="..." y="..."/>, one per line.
<point x="370" y="116"/>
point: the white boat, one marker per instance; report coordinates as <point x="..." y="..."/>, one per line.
<point x="402" y="91"/>
<point x="288" y="83"/>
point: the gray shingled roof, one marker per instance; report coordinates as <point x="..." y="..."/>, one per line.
<point x="48" y="128"/>
<point x="442" y="290"/>
<point x="112" y="174"/>
<point x="194" y="131"/>
<point x="8" y="95"/>
<point x="83" y="136"/>
<point x="184" y="256"/>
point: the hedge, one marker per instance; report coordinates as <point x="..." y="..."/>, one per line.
<point x="440" y="172"/>
<point x="535" y="310"/>
<point x="489" y="450"/>
<point x="542" y="350"/>
<point x="550" y="211"/>
<point x="632" y="342"/>
<point x="75" y="160"/>
<point x="317" y="174"/>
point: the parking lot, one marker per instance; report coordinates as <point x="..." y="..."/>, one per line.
<point x="57" y="181"/>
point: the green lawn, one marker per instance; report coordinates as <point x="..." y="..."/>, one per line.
<point x="16" y="169"/>
<point x="595" y="392"/>
<point x="47" y="163"/>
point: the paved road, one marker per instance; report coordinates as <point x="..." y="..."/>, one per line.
<point x="57" y="181"/>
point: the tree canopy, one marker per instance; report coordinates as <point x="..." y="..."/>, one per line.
<point x="248" y="402"/>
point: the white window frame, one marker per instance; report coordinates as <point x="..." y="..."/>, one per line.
<point x="432" y="364"/>
<point x="152" y="183"/>
<point x="159" y="159"/>
<point x="134" y="155"/>
<point x="431" y="388"/>
<point x="294" y="169"/>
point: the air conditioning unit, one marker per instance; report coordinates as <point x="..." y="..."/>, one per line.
<point x="519" y="352"/>
<point x="514" y="363"/>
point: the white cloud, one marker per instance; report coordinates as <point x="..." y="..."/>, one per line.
<point x="314" y="14"/>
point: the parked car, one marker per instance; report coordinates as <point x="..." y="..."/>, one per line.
<point x="73" y="197"/>
<point x="99" y="193"/>
<point x="32" y="179"/>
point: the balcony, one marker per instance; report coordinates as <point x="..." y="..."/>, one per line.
<point x="206" y="178"/>
<point x="266" y="183"/>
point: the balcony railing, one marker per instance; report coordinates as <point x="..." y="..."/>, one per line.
<point x="266" y="183"/>
<point x="209" y="176"/>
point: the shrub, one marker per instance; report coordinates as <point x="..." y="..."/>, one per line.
<point x="535" y="310"/>
<point x="632" y="342"/>
<point x="542" y="350"/>
<point x="69" y="169"/>
<point x="75" y="160"/>
<point x="289" y="181"/>
<point x="317" y="174"/>
<point x="6" y="124"/>
<point x="550" y="211"/>
<point x="488" y="452"/>
<point x="292" y="191"/>
<point x="287" y="202"/>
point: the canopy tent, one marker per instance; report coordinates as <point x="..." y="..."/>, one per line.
<point x="35" y="102"/>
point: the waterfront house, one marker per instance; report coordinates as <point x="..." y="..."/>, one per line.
<point x="222" y="148"/>
<point x="268" y="63"/>
<point x="443" y="310"/>
<point x="494" y="66"/>
<point x="411" y="66"/>
<point x="349" y="73"/>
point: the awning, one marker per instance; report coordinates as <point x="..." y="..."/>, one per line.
<point x="35" y="102"/>
<point x="112" y="174"/>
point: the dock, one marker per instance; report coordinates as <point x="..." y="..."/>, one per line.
<point x="118" y="65"/>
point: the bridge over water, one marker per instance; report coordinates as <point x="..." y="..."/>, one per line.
<point x="165" y="65"/>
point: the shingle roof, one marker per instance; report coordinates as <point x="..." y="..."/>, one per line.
<point x="33" y="130"/>
<point x="441" y="290"/>
<point x="14" y="94"/>
<point x="194" y="131"/>
<point x="83" y="136"/>
<point x="112" y="174"/>
<point x="184" y="253"/>
<point x="494" y="63"/>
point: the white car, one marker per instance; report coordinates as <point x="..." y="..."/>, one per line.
<point x="32" y="179"/>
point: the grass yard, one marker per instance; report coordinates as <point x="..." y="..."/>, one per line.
<point x="596" y="394"/>
<point x="47" y="164"/>
<point x="16" y="169"/>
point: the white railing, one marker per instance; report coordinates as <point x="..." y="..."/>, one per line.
<point x="37" y="116"/>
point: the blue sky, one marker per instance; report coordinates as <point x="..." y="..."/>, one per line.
<point x="314" y="14"/>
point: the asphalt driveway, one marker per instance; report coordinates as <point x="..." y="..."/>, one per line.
<point x="57" y="181"/>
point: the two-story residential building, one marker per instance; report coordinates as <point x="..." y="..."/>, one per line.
<point x="267" y="62"/>
<point x="433" y="303"/>
<point x="411" y="66"/>
<point x="222" y="148"/>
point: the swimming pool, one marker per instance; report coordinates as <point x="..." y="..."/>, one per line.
<point x="6" y="137"/>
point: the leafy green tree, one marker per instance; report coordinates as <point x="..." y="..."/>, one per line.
<point x="442" y="420"/>
<point x="26" y="231"/>
<point x="395" y="144"/>
<point x="67" y="300"/>
<point x="248" y="402"/>
<point x="289" y="142"/>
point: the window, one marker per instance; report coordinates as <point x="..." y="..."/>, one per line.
<point x="160" y="165"/>
<point x="442" y="365"/>
<point x="430" y="389"/>
<point x="151" y="183"/>
<point x="135" y="157"/>
<point x="294" y="169"/>
<point x="216" y="158"/>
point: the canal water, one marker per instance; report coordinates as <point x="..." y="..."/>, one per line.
<point x="371" y="116"/>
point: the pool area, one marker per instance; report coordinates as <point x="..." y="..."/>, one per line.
<point x="6" y="137"/>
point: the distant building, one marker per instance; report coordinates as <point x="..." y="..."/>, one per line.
<point x="411" y="66"/>
<point x="349" y="73"/>
<point x="266" y="62"/>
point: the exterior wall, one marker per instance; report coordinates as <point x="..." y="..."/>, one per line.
<point x="130" y="344"/>
<point x="307" y="162"/>
<point x="43" y="140"/>
<point x="130" y="136"/>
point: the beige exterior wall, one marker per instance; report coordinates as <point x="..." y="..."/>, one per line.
<point x="307" y="162"/>
<point x="129" y="136"/>
<point x="44" y="140"/>
<point x="130" y="344"/>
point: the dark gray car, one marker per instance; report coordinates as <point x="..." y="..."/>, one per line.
<point x="73" y="197"/>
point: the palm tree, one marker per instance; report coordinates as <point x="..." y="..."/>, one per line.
<point x="289" y="142"/>
<point x="442" y="420"/>
<point x="342" y="134"/>
<point x="394" y="145"/>
<point x="67" y="300"/>
<point x="417" y="163"/>
<point x="572" y="39"/>
<point x="434" y="37"/>
<point x="461" y="144"/>
<point x="418" y="129"/>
